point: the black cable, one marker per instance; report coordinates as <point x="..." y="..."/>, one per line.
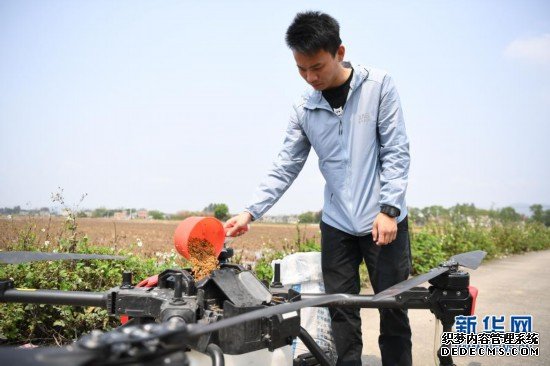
<point x="216" y="354"/>
<point x="314" y="348"/>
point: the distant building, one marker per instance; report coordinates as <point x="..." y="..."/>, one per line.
<point x="142" y="214"/>
<point x="120" y="215"/>
<point x="44" y="211"/>
<point x="293" y="219"/>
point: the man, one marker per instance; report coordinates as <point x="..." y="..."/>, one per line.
<point x="353" y="120"/>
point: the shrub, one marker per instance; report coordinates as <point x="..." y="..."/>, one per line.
<point x="42" y="323"/>
<point x="427" y="251"/>
<point x="263" y="268"/>
<point x="522" y="237"/>
<point x="39" y="323"/>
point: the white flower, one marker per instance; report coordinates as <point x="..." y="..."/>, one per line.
<point x="43" y="230"/>
<point x="139" y="243"/>
<point x="46" y="243"/>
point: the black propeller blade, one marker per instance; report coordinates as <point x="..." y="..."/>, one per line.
<point x="470" y="260"/>
<point x="410" y="283"/>
<point x="24" y="257"/>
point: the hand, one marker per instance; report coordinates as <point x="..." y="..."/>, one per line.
<point x="384" y="229"/>
<point x="237" y="225"/>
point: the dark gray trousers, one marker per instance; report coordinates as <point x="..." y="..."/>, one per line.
<point x="387" y="265"/>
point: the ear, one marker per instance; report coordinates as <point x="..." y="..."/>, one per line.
<point x="340" y="53"/>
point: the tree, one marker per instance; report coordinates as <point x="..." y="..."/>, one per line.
<point x="537" y="213"/>
<point x="540" y="215"/>
<point x="416" y="216"/>
<point x="310" y="217"/>
<point x="210" y="208"/>
<point x="508" y="214"/>
<point x="156" y="215"/>
<point x="464" y="210"/>
<point x="318" y="215"/>
<point x="547" y="217"/>
<point x="100" y="212"/>
<point x="221" y="211"/>
<point x="432" y="212"/>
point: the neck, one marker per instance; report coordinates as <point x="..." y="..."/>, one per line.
<point x="343" y="75"/>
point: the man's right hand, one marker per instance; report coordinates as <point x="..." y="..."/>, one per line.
<point x="237" y="225"/>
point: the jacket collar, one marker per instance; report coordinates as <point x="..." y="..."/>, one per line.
<point x="314" y="98"/>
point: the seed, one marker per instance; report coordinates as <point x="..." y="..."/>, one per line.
<point x="202" y="257"/>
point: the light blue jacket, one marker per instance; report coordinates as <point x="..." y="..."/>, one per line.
<point x="363" y="155"/>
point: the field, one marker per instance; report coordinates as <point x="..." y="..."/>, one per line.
<point x="156" y="235"/>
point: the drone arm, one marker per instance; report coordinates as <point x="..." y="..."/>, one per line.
<point x="417" y="298"/>
<point x="55" y="297"/>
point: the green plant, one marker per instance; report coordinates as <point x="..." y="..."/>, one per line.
<point x="62" y="324"/>
<point x="263" y="268"/>
<point x="427" y="251"/>
<point x="363" y="275"/>
<point x="42" y="323"/>
<point x="302" y="243"/>
<point x="156" y="215"/>
<point x="219" y="210"/>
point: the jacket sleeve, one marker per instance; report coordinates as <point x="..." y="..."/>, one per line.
<point x="394" y="147"/>
<point x="285" y="169"/>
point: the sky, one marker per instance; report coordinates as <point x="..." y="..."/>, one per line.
<point x="172" y="105"/>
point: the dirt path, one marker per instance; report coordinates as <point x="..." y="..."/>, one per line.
<point x="519" y="284"/>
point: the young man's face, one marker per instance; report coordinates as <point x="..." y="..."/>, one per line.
<point x="321" y="70"/>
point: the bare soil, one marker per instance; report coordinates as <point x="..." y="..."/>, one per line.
<point x="155" y="235"/>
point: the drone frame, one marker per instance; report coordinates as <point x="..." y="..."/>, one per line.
<point x="449" y="295"/>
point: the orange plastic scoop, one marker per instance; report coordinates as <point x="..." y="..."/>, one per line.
<point x="202" y="228"/>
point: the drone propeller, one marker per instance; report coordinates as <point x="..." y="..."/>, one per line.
<point x="24" y="257"/>
<point x="470" y="260"/>
<point x="410" y="283"/>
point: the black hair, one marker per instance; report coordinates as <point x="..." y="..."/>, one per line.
<point x="312" y="31"/>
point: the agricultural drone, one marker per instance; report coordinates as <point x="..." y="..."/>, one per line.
<point x="227" y="318"/>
